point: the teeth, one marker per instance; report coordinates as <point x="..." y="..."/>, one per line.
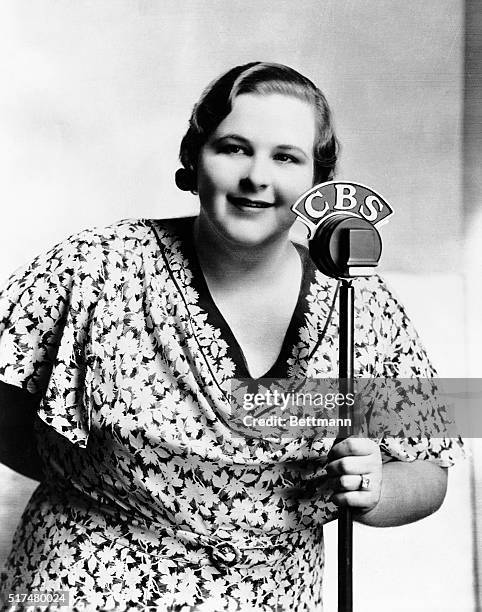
<point x="249" y="203"/>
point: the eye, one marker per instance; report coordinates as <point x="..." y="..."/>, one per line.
<point x="232" y="148"/>
<point x="285" y="158"/>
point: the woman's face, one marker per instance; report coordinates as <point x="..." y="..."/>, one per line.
<point x="254" y="166"/>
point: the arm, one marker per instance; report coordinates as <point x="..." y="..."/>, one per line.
<point x="398" y="492"/>
<point x="409" y="492"/>
<point x="18" y="446"/>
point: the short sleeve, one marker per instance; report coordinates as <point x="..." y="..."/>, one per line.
<point x="406" y="387"/>
<point x="45" y="313"/>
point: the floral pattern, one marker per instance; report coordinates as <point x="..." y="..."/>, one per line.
<point x="150" y="502"/>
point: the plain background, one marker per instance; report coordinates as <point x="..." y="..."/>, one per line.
<point x="95" y="98"/>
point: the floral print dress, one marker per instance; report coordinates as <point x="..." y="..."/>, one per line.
<point x="149" y="501"/>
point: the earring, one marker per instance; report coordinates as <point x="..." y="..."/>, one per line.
<point x="185" y="179"/>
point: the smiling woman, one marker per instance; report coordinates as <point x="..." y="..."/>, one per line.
<point x="121" y="344"/>
<point x="253" y="167"/>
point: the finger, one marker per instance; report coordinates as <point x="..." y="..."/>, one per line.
<point x="355" y="499"/>
<point x="352" y="465"/>
<point x="352" y="446"/>
<point x="345" y="483"/>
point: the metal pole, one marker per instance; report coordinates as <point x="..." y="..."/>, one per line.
<point x="345" y="373"/>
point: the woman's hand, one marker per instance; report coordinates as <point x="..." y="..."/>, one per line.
<point x="355" y="472"/>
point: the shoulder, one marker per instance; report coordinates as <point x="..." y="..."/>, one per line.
<point x="368" y="289"/>
<point x="87" y="243"/>
<point x="90" y="247"/>
<point x="78" y="263"/>
<point x="88" y="250"/>
<point x="373" y="284"/>
<point x="376" y="296"/>
<point x="169" y="230"/>
<point x="118" y="236"/>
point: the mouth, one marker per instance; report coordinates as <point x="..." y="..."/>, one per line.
<point x="244" y="203"/>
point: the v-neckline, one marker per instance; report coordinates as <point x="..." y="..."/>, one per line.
<point x="279" y="368"/>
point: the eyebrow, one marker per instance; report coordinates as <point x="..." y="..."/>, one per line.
<point x="282" y="147"/>
<point x="231" y="137"/>
<point x="293" y="148"/>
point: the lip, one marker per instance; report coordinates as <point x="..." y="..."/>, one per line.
<point x="242" y="202"/>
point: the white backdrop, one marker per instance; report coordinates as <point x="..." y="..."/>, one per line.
<point x="95" y="96"/>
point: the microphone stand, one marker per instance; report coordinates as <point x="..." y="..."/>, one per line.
<point x="346" y="247"/>
<point x="345" y="374"/>
<point x="344" y="244"/>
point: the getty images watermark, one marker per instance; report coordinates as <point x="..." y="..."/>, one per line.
<point x="375" y="408"/>
<point x="274" y="407"/>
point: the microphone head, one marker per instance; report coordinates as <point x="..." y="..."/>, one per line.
<point x="345" y="246"/>
<point x="341" y="217"/>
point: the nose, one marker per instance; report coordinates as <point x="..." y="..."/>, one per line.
<point x="257" y="175"/>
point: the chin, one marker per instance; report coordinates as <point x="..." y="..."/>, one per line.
<point x="244" y="235"/>
<point x="247" y="231"/>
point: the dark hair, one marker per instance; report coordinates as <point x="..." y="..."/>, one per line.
<point x="262" y="78"/>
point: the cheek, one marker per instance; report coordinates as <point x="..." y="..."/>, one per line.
<point x="296" y="184"/>
<point x="213" y="176"/>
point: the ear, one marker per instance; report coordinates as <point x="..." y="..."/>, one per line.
<point x="186" y="180"/>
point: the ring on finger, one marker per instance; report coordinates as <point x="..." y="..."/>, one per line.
<point x="364" y="483"/>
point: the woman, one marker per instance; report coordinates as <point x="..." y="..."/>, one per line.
<point x="129" y="336"/>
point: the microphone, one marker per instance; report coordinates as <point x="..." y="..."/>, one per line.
<point x="344" y="243"/>
<point x="341" y="217"/>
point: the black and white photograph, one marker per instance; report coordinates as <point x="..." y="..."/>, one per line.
<point x="240" y="306"/>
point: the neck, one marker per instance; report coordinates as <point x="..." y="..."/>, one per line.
<point x="223" y="262"/>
